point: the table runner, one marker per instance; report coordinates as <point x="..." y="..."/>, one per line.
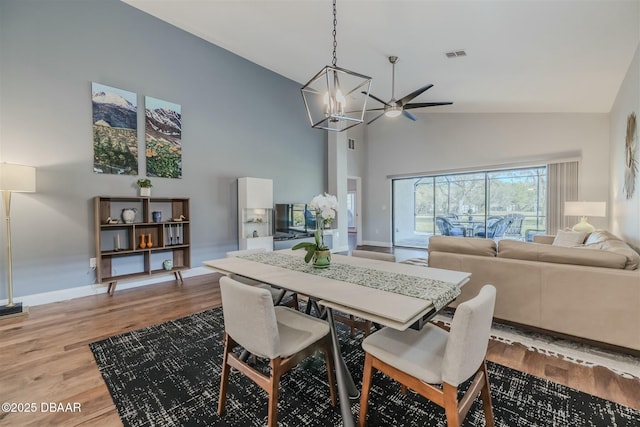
<point x="440" y="293"/>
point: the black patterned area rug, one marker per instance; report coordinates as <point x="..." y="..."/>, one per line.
<point x="169" y="374"/>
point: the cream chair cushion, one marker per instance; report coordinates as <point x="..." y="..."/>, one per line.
<point x="298" y="330"/>
<point x="435" y="356"/>
<point x="418" y="353"/>
<point x="262" y="329"/>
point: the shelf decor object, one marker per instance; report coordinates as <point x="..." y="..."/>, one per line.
<point x="146" y="244"/>
<point x="145" y="187"/>
<point x="584" y="210"/>
<point x="336" y="98"/>
<point x="13" y="179"/>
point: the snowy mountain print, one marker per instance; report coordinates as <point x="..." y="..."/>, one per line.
<point x="163" y="137"/>
<point x="115" y="130"/>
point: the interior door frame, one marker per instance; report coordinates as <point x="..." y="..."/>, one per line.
<point x="358" y="205"/>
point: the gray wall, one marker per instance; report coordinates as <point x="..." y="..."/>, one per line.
<point x="448" y="142"/>
<point x="238" y="120"/>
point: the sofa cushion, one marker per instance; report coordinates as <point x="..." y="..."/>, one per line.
<point x="557" y="254"/>
<point x="599" y="236"/>
<point x="618" y="247"/>
<point x="463" y="245"/>
<point x="569" y="238"/>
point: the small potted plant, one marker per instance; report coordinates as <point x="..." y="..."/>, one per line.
<point x="145" y="187"/>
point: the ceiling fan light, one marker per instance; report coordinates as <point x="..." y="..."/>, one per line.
<point x="393" y="112"/>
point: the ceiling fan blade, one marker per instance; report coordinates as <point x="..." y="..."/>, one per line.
<point x="425" y="104"/>
<point x="375" y="97"/>
<point x="376" y="109"/>
<point x="413" y="94"/>
<point x="375" y="118"/>
<point x="408" y="115"/>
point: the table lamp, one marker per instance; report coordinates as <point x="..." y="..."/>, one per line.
<point x="584" y="210"/>
<point x="13" y="178"/>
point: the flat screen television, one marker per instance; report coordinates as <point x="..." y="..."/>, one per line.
<point x="293" y="220"/>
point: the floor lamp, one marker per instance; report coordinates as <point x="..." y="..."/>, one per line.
<point x="13" y="178"/>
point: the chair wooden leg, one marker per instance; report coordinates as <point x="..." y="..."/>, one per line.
<point x="328" y="360"/>
<point x="224" y="380"/>
<point x="351" y="327"/>
<point x="296" y="306"/>
<point x="485" y="394"/>
<point x="451" y="405"/>
<point x="367" y="374"/>
<point x="274" y="384"/>
<point x="367" y="328"/>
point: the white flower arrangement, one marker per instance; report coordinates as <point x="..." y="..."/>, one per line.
<point x="325" y="207"/>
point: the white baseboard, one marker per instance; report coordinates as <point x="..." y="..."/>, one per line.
<point x="374" y="243"/>
<point x="87" y="290"/>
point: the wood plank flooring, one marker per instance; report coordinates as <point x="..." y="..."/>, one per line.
<point x="44" y="357"/>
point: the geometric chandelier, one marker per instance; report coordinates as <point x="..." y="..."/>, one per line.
<point x="335" y="98"/>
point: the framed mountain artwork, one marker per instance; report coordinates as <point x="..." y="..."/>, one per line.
<point x="163" y="138"/>
<point x="115" y="130"/>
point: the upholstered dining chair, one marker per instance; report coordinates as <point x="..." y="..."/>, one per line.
<point x="420" y="359"/>
<point x="280" y="296"/>
<point x="363" y="324"/>
<point x="280" y="334"/>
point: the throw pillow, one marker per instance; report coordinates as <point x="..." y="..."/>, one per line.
<point x="569" y="238"/>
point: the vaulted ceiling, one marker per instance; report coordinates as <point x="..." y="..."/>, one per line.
<point x="521" y="55"/>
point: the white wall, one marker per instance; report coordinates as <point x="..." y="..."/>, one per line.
<point x="445" y="141"/>
<point x="625" y="214"/>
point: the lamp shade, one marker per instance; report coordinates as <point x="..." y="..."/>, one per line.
<point x="17" y="178"/>
<point x="585" y="208"/>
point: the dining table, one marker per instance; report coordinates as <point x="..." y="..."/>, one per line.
<point x="394" y="295"/>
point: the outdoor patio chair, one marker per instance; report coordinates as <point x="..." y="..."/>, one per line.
<point x="447" y="228"/>
<point x="494" y="230"/>
<point x="515" y="229"/>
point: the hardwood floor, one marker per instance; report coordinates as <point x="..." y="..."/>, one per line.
<point x="44" y="357"/>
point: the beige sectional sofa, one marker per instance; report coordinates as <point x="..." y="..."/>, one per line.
<point x="591" y="291"/>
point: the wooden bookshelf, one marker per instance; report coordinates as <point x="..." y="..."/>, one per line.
<point x="123" y="250"/>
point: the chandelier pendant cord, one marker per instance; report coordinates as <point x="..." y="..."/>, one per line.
<point x="335" y="41"/>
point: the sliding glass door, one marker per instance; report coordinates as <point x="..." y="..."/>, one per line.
<point x="495" y="204"/>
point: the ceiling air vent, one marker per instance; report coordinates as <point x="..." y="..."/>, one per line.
<point x="455" y="53"/>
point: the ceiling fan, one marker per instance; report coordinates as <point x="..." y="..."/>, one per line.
<point x="394" y="107"/>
